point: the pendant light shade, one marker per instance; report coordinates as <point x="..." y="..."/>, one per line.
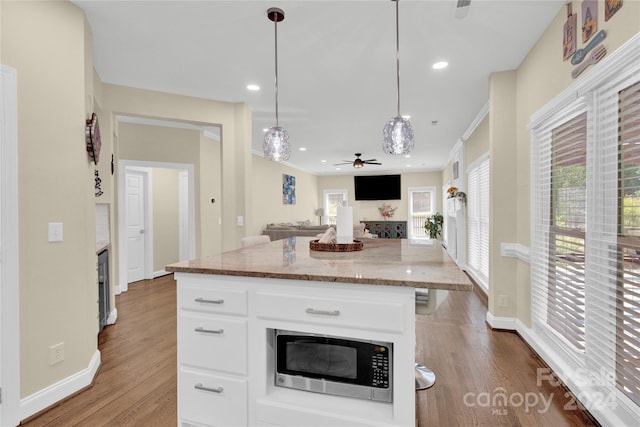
<point x="397" y="133"/>
<point x="276" y="145"/>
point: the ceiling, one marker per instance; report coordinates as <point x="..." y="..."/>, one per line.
<point x="336" y="66"/>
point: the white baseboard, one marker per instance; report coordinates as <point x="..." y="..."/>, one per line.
<point x="507" y="323"/>
<point x="113" y="316"/>
<point x="157" y="274"/>
<point x="54" y="393"/>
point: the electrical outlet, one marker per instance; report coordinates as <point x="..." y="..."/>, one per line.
<point x="503" y="300"/>
<point x="56" y="354"/>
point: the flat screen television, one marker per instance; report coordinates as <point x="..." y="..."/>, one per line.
<point x="377" y="187"/>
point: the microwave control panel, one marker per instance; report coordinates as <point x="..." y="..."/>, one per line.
<point x="380" y="368"/>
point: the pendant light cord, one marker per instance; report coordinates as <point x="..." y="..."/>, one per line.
<point x="398" y="54"/>
<point x="275" y="22"/>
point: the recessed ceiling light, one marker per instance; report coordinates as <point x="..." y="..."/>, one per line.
<point x="323" y="161"/>
<point x="265" y="129"/>
<point x="440" y="65"/>
<point x="408" y="166"/>
<point x="407" y="155"/>
<point x="406" y="117"/>
<point x="302" y="148"/>
<point x="338" y="169"/>
<point x="253" y="87"/>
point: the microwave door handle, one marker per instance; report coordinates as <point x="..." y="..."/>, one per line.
<point x="323" y="312"/>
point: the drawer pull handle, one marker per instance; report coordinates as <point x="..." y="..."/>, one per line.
<point x="199" y="386"/>
<point x="210" y="301"/>
<point x="209" y="331"/>
<point x="323" y="312"/>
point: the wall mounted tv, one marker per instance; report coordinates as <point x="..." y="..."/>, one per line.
<point x="377" y="187"/>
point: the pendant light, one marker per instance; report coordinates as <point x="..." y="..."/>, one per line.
<point x="276" y="145"/>
<point x="398" y="133"/>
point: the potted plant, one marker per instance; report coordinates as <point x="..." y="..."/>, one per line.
<point x="433" y="225"/>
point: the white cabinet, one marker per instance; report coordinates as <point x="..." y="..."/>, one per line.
<point x="226" y="334"/>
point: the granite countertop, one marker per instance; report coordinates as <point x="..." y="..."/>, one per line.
<point x="394" y="262"/>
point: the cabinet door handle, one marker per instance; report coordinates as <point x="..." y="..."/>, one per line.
<point x="210" y="301"/>
<point x="323" y="312"/>
<point x="199" y="386"/>
<point x="209" y="331"/>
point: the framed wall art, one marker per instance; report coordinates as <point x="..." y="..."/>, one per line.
<point x="288" y="189"/>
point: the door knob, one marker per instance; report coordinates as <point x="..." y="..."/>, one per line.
<point x="142" y="231"/>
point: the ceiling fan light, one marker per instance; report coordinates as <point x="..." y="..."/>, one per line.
<point x="398" y="136"/>
<point x="276" y="145"/>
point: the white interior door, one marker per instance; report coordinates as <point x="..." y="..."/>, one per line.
<point x="135" y="187"/>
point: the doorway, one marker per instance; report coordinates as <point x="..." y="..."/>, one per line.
<point x="135" y="217"/>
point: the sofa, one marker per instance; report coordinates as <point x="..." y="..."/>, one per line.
<point x="277" y="231"/>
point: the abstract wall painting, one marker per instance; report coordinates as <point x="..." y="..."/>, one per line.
<point x="288" y="189"/>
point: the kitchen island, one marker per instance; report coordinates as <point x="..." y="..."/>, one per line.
<point x="231" y="305"/>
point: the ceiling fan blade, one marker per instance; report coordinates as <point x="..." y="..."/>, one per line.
<point x="373" y="163"/>
<point x="345" y="163"/>
<point x="370" y="160"/>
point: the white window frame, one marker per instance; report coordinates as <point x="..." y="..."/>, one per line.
<point x="478" y="213"/>
<point x="326" y="218"/>
<point x="590" y="375"/>
<point x="410" y="215"/>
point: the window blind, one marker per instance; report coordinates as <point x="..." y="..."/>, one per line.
<point x="478" y="222"/>
<point x="568" y="181"/>
<point x="628" y="251"/>
<point x="585" y="242"/>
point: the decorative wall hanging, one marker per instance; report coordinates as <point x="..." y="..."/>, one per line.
<point x="569" y="34"/>
<point x="288" y="189"/>
<point x="610" y="8"/>
<point x="595" y="57"/>
<point x="98" y="189"/>
<point x="582" y="53"/>
<point x="589" y="19"/>
<point x="92" y="137"/>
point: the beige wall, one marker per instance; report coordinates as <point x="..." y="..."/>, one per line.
<point x="49" y="46"/>
<point x="503" y="169"/>
<point x="210" y="188"/>
<point x="234" y="119"/>
<point x="368" y="210"/>
<point x="478" y="143"/>
<point x="541" y="76"/>
<point x="166" y="240"/>
<point x="267" y="195"/>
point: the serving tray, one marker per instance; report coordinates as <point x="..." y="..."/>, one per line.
<point x="315" y="245"/>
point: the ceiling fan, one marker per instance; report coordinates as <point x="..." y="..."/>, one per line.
<point x="358" y="162"/>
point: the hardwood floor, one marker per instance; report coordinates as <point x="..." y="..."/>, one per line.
<point x="136" y="384"/>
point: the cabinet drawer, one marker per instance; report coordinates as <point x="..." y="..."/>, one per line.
<point x="213" y="343"/>
<point x="365" y="314"/>
<point x="201" y="298"/>
<point x="211" y="400"/>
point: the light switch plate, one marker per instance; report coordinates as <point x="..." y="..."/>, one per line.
<point x="240" y="221"/>
<point x="55" y="232"/>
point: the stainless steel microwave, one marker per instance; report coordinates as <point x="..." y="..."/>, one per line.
<point x="334" y="365"/>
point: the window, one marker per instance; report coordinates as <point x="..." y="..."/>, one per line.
<point x="421" y="206"/>
<point x="568" y="182"/>
<point x="585" y="241"/>
<point x="478" y="221"/>
<point x="333" y="199"/>
<point x="628" y="285"/>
